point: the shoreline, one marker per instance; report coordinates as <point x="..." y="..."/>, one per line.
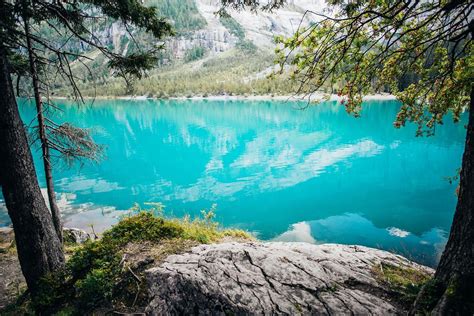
<point x="315" y="97"/>
<point x="170" y="267"/>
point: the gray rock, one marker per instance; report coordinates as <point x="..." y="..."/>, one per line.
<point x="272" y="278"/>
<point x="6" y="235"/>
<point x="74" y="235"/>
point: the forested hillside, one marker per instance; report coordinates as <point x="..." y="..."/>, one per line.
<point x="235" y="51"/>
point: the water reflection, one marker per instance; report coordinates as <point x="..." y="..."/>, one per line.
<point x="353" y="228"/>
<point x="269" y="170"/>
<point x="266" y="164"/>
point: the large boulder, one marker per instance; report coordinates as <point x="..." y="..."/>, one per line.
<point x="273" y="278"/>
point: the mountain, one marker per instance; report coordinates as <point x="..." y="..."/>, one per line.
<point x="208" y="55"/>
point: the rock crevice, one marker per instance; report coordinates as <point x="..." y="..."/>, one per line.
<point x="273" y="278"/>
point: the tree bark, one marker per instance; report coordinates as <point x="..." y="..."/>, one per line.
<point x="454" y="277"/>
<point x="39" y="249"/>
<point x="43" y="138"/>
<point x="456" y="267"/>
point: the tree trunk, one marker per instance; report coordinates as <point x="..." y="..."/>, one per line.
<point x="454" y="277"/>
<point x="456" y="267"/>
<point x="43" y="138"/>
<point x="38" y="246"/>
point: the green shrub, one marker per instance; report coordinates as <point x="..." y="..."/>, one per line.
<point x="95" y="275"/>
<point x="142" y="227"/>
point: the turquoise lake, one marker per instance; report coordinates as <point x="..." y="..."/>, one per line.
<point x="316" y="175"/>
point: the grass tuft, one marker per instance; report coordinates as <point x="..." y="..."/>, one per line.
<point x="100" y="274"/>
<point x="403" y="281"/>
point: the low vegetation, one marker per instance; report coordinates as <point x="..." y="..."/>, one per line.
<point x="107" y="274"/>
<point x="194" y="53"/>
<point x="404" y="283"/>
<point x="224" y="74"/>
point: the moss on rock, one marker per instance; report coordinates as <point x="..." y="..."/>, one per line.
<point x="404" y="282"/>
<point x="106" y="274"/>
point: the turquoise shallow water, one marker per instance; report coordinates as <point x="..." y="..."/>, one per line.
<point x="316" y="175"/>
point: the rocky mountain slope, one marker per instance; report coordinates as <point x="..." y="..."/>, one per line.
<point x="259" y="28"/>
<point x="209" y="54"/>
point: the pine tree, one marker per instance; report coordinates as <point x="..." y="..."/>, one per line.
<point x="23" y="50"/>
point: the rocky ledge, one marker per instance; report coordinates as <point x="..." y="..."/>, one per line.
<point x="275" y="278"/>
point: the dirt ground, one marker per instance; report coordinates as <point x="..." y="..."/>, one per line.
<point x="12" y="282"/>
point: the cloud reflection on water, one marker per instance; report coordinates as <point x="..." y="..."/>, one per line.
<point x="351" y="228"/>
<point x="266" y="165"/>
<point x="295" y="169"/>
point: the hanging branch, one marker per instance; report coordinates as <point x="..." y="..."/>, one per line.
<point x="367" y="46"/>
<point x="42" y="62"/>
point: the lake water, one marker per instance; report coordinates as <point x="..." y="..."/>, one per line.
<point x="317" y="175"/>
